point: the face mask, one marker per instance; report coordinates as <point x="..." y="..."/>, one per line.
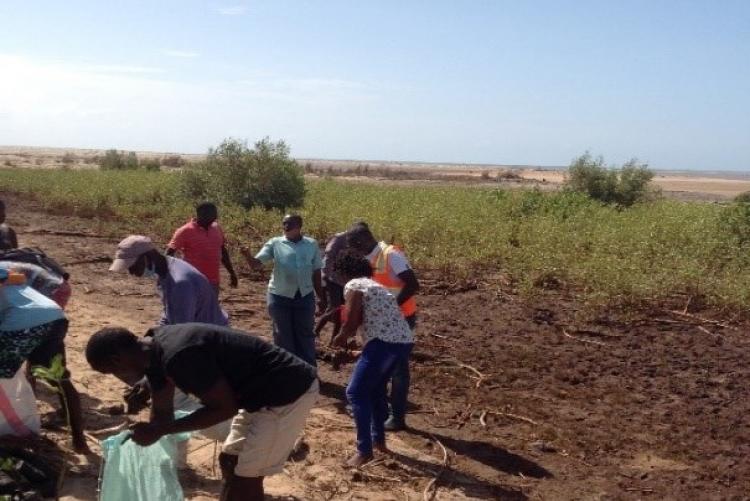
<point x="149" y="271"/>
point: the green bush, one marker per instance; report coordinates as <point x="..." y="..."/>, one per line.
<point x="743" y="197"/>
<point x="115" y="160"/>
<point x="264" y="176"/>
<point x="734" y="220"/>
<point x="151" y="164"/>
<point x="624" y="186"/>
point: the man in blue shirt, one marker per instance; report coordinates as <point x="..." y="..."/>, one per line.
<point x="296" y="274"/>
<point x="186" y="294"/>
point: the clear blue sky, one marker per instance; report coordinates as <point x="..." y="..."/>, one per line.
<point x="535" y="82"/>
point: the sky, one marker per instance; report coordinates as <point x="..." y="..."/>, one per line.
<point x="463" y="81"/>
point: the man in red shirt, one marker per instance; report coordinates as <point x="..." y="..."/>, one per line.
<point x="201" y="242"/>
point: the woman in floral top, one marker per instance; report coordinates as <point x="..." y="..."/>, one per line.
<point x="387" y="339"/>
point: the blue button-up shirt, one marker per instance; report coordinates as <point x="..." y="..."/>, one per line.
<point x="293" y="265"/>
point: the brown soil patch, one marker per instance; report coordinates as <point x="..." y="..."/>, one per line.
<point x="529" y="402"/>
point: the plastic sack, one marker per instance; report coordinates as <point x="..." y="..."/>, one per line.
<point x="18" y="412"/>
<point x="135" y="473"/>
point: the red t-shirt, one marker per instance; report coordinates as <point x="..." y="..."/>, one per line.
<point x="200" y="247"/>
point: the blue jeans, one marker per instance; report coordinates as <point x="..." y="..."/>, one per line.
<point x="294" y="324"/>
<point x="366" y="390"/>
<point x="400" y="381"/>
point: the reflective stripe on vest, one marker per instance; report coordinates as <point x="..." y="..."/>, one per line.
<point x="381" y="274"/>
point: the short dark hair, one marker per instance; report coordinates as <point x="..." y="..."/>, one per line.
<point x="359" y="232"/>
<point x="362" y="223"/>
<point x="204" y="207"/>
<point x="106" y="343"/>
<point x="294" y="217"/>
<point x="351" y="264"/>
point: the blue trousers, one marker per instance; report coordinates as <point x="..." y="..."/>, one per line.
<point x="367" y="388"/>
<point x="400" y="381"/>
<point x="294" y="324"/>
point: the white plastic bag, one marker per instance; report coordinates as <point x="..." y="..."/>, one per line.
<point x="18" y="412"/>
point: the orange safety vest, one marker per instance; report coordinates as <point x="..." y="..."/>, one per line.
<point x="381" y="274"/>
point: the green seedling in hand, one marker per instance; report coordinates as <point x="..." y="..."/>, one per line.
<point x="52" y="377"/>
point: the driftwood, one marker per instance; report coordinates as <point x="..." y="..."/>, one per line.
<point x="429" y="493"/>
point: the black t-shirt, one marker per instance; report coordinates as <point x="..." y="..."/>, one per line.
<point x="195" y="356"/>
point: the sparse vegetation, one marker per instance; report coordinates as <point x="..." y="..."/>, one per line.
<point x="622" y="186"/>
<point x="652" y="250"/>
<point x="173" y="161"/>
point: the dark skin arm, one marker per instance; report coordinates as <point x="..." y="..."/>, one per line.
<point x="227" y="262"/>
<point x="162" y="404"/>
<point x="171" y="252"/>
<point x="254" y="263"/>
<point x="329" y="316"/>
<point x="411" y="286"/>
<point x="219" y="404"/>
<point x="353" y="319"/>
<point x="13" y="238"/>
<point x="319" y="292"/>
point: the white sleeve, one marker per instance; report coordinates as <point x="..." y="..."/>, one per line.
<point x="398" y="262"/>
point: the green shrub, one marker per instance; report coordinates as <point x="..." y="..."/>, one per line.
<point x="68" y="158"/>
<point x="131" y="161"/>
<point x="265" y="176"/>
<point x="743" y="197"/>
<point x="151" y="164"/>
<point x="115" y="160"/>
<point x="734" y="221"/>
<point x="624" y="186"/>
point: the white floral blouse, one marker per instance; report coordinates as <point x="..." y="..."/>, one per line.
<point x="382" y="316"/>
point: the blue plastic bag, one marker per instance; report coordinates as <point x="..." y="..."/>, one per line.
<point x="135" y="473"/>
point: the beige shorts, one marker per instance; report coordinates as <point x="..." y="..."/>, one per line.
<point x="262" y="440"/>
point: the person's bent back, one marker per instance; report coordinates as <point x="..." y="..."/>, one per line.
<point x="267" y="391"/>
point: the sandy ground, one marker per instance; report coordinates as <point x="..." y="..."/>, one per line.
<point x="531" y="399"/>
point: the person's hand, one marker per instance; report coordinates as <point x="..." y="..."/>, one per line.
<point x="340" y="340"/>
<point x="233" y="281"/>
<point x="137" y="397"/>
<point x="145" y="434"/>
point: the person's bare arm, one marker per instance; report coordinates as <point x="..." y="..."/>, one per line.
<point x="354" y="317"/>
<point x="411" y="286"/>
<point x="226" y="260"/>
<point x="252" y="261"/>
<point x="319" y="292"/>
<point x="219" y="404"/>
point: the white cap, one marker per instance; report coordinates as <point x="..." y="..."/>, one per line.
<point x="129" y="250"/>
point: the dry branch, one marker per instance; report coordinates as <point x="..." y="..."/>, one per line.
<point x="582" y="340"/>
<point x="481" y="419"/>
<point x="700" y="319"/>
<point x="429" y="493"/>
<point x="514" y="416"/>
